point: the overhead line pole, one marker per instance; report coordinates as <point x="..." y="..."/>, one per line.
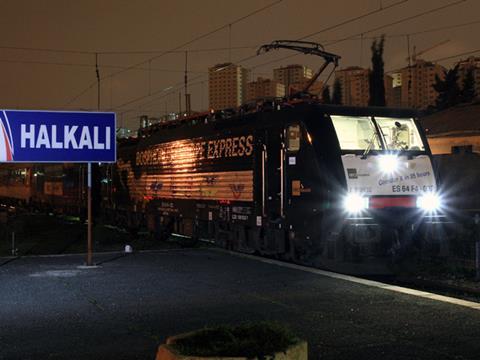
<point x="187" y="95"/>
<point x="365" y="32"/>
<point x="303" y="37"/>
<point x="197" y="38"/>
<point x="97" y="71"/>
<point x="89" y="181"/>
<point x="343" y="39"/>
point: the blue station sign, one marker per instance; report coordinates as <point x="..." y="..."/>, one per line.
<point x="57" y="136"/>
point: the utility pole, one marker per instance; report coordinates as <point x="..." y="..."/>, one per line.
<point x="361" y="50"/>
<point x="89" y="181"/>
<point x="187" y="95"/>
<point x="179" y="103"/>
<point x="149" y="77"/>
<point x="98" y="81"/>
<point x="229" y="43"/>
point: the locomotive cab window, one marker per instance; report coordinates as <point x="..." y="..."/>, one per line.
<point x="400" y="134"/>
<point x="294" y="134"/>
<point x="356" y="132"/>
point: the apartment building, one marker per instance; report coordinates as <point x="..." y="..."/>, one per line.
<point x="355" y="85"/>
<point x="264" y="88"/>
<point x="417" y="84"/>
<point x="292" y="76"/>
<point x="472" y="63"/>
<point x="227" y="85"/>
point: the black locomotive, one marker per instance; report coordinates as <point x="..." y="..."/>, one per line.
<point x="331" y="186"/>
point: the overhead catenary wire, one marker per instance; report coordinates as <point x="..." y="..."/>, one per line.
<point x="63" y="51"/>
<point x="430" y="11"/>
<point x="456" y="55"/>
<point x="332" y="27"/>
<point x="329" y="28"/>
<point x="408" y="18"/>
<point x="345" y="22"/>
<point x="104" y="66"/>
<point x="195" y="39"/>
<point x="388" y="36"/>
<point x="218" y="49"/>
<point x="449" y="57"/>
<point x="336" y="41"/>
<point x="125" y="52"/>
<point x="173" y="90"/>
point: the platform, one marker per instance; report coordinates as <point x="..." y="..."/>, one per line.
<point x="130" y="304"/>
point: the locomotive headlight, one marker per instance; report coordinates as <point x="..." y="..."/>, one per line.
<point x="429" y="202"/>
<point x="355" y="203"/>
<point x="388" y="164"/>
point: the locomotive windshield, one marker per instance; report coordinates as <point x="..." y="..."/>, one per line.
<point x="379" y="133"/>
<point x="400" y="134"/>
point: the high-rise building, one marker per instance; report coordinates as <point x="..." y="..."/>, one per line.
<point x="355" y="85"/>
<point x="396" y="90"/>
<point x="264" y="88"/>
<point x="292" y="75"/>
<point x="472" y="63"/>
<point x="417" y="84"/>
<point x="316" y="88"/>
<point x="397" y="97"/>
<point x="226" y="85"/>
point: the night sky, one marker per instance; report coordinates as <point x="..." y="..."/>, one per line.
<point x="34" y="79"/>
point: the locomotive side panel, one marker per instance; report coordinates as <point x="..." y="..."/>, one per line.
<point x="175" y="184"/>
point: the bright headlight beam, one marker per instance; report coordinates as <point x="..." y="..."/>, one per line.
<point x="429" y="202"/>
<point x="355" y="203"/>
<point x="388" y="164"/>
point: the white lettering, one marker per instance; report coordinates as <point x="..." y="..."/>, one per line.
<point x="69" y="137"/>
<point x="50" y="137"/>
<point x="42" y="139"/>
<point x="85" y="139"/>
<point x="96" y="144"/>
<point x="27" y="135"/>
<point x="107" y="137"/>
<point x="55" y="144"/>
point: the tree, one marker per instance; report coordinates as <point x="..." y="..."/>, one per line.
<point x="376" y="82"/>
<point x="337" y="92"/>
<point x="449" y="93"/>
<point x="468" y="89"/>
<point x="326" y="95"/>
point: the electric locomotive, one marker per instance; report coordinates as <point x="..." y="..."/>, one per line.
<point x="336" y="187"/>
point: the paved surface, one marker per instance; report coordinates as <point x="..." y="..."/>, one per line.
<point x="49" y="309"/>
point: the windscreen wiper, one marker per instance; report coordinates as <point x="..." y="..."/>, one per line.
<point x="370" y="144"/>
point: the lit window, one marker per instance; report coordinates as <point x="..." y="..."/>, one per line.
<point x="293" y="137"/>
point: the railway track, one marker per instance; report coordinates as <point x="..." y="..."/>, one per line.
<point x="462" y="288"/>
